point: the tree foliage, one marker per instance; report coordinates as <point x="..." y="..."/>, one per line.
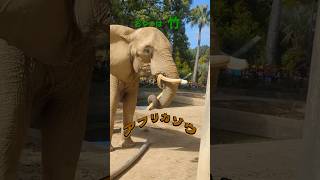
<point x="296" y="24"/>
<point x="204" y="66"/>
<point x="238" y="21"/>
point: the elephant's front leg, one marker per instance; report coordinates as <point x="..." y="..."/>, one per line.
<point x="14" y="114"/>
<point x="129" y="106"/>
<point x="114" y="101"/>
<point x="65" y="123"/>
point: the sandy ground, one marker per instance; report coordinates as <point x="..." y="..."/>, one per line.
<point x="91" y="166"/>
<point x="243" y="157"/>
<point x="173" y="154"/>
<point x="277" y="107"/>
<point x="274" y="160"/>
<point x="93" y="163"/>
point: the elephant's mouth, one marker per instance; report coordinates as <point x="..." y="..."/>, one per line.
<point x="162" y="80"/>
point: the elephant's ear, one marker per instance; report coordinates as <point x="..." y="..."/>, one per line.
<point x="123" y="32"/>
<point x="126" y="37"/>
<point x="136" y="63"/>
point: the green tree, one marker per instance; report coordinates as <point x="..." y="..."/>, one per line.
<point x="125" y="12"/>
<point x="237" y="22"/>
<point x="199" y="16"/>
<point x="179" y="39"/>
<point x="182" y="66"/>
<point x="296" y="27"/>
<point x="204" y="66"/>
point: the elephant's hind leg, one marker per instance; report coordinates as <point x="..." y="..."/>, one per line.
<point x="14" y="117"/>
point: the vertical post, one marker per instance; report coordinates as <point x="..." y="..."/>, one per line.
<point x="204" y="154"/>
<point x="310" y="166"/>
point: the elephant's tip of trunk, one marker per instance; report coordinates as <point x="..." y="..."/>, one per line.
<point x="154" y="102"/>
<point x="184" y="82"/>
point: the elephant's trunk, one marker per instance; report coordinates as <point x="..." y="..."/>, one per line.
<point x="167" y="80"/>
<point x="161" y="78"/>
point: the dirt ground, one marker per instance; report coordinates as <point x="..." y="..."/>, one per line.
<point x="173" y="154"/>
<point x="92" y="164"/>
<point x="287" y="108"/>
<point x="245" y="157"/>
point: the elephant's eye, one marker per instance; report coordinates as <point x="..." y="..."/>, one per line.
<point x="147" y="50"/>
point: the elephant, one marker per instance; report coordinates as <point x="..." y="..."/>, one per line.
<point x="130" y="49"/>
<point x="47" y="53"/>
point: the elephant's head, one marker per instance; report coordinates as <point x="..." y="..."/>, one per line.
<point x="150" y="45"/>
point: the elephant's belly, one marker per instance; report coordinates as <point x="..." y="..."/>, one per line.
<point x="39" y="28"/>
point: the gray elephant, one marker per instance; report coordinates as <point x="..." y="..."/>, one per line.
<point x="46" y="59"/>
<point x="129" y="50"/>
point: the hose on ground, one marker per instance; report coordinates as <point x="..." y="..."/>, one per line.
<point x="115" y="173"/>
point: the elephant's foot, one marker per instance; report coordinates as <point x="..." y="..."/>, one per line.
<point x="111" y="148"/>
<point x="127" y="143"/>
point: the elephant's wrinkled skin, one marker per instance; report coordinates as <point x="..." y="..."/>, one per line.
<point x="129" y="49"/>
<point x="46" y="58"/>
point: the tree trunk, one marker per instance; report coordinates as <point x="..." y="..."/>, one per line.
<point x="273" y="31"/>
<point x="310" y="166"/>
<point x="194" y="76"/>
